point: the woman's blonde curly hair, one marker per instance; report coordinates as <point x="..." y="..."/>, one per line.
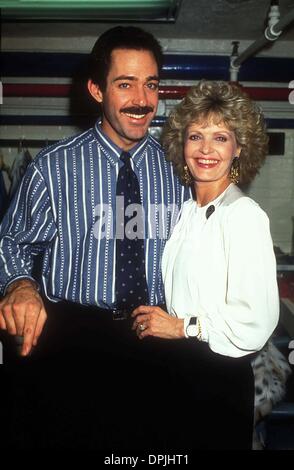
<point x="220" y="102"/>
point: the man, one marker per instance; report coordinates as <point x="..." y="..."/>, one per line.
<point x="71" y="208"/>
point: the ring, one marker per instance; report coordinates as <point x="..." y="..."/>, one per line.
<point x="142" y="326"/>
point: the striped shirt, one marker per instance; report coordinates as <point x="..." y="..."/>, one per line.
<point x="65" y="210"/>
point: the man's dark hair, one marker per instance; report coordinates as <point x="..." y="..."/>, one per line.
<point x="120" y="37"/>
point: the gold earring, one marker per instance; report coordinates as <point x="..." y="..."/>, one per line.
<point x="235" y="171"/>
<point x="187" y="177"/>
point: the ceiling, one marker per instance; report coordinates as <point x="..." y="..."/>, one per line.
<point x="203" y="19"/>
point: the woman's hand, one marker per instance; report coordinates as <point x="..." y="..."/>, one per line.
<point x="153" y="321"/>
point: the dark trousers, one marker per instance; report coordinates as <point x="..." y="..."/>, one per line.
<point x="92" y="384"/>
<point x="88" y="384"/>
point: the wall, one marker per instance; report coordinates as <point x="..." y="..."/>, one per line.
<point x="273" y="188"/>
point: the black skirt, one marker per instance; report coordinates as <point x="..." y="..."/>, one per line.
<point x="214" y="396"/>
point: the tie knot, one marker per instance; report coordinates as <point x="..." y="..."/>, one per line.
<point x="125" y="157"/>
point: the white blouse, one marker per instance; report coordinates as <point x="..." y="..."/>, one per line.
<point x="222" y="269"/>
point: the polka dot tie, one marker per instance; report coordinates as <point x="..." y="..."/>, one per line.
<point x="131" y="286"/>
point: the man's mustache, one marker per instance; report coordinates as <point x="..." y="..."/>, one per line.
<point x="138" y="110"/>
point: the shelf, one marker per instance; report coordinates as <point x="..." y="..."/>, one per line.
<point x="285" y="267"/>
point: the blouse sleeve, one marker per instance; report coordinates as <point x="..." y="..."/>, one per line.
<point x="250" y="310"/>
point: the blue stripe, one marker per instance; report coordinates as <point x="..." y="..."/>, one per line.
<point x="41" y="64"/>
<point x="280" y="123"/>
<point x="32" y="120"/>
<point x="176" y="66"/>
<point x="158" y="121"/>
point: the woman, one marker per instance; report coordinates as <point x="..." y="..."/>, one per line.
<point x="218" y="268"/>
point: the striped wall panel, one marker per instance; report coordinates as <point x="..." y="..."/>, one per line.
<point x="37" y="88"/>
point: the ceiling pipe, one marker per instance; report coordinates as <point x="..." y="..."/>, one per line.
<point x="234" y="69"/>
<point x="273" y="30"/>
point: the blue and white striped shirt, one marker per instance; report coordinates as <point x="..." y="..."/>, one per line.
<point x="65" y="208"/>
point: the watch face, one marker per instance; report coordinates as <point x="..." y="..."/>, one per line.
<point x="192" y="330"/>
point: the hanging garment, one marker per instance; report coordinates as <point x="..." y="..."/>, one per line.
<point x="3" y="192"/>
<point x="3" y="196"/>
<point x="21" y="161"/>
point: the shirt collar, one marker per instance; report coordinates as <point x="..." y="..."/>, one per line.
<point x="217" y="201"/>
<point x="113" y="151"/>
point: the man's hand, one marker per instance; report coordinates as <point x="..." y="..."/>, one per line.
<point x="22" y="313"/>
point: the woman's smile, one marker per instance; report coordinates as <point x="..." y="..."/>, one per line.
<point x="206" y="163"/>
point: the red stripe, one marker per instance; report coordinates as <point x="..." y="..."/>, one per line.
<point x="35" y="90"/>
<point x="173" y="92"/>
<point x="256" y="93"/>
<point x="165" y="92"/>
<point x="268" y="94"/>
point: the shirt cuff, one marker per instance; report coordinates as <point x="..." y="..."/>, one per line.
<point x="19" y="278"/>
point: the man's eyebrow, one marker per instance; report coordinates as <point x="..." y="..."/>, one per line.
<point x="153" y="77"/>
<point x="132" y="78"/>
<point x="124" y="77"/>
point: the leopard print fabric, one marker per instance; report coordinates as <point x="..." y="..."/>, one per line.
<point x="271" y="371"/>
